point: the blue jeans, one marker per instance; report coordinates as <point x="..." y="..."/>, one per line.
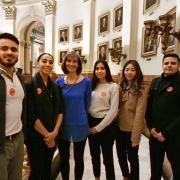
<point x="11" y="161"/>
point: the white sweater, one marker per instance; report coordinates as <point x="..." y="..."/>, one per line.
<point x="104" y="104"/>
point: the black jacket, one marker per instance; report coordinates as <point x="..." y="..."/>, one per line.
<point x="44" y="103"/>
<point x="163" y="107"/>
<point x="3" y="110"/>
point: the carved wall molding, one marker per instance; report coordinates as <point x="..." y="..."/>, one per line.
<point x="50" y="6"/>
<point x="10" y="12"/>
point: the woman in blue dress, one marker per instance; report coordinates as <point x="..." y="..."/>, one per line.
<point x="76" y="90"/>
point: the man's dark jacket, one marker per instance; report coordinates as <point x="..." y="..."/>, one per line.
<point x="3" y="110"/>
<point x="163" y="108"/>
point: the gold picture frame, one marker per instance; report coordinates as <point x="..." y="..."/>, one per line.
<point x="63" y="35"/>
<point x="104" y="23"/>
<point x="148" y="47"/>
<point x="78" y="32"/>
<point x="117" y="42"/>
<point x="78" y="50"/>
<point x="150" y="4"/>
<point x="103" y="51"/>
<point x="118" y="18"/>
<point x="61" y="55"/>
<point x="171" y="40"/>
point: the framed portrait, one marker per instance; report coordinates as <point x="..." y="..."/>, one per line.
<point x="150" y="4"/>
<point x="64" y="35"/>
<point x="103" y="51"/>
<point x="117" y="43"/>
<point x="103" y="23"/>
<point x="118" y="17"/>
<point x="78" y="50"/>
<point x="148" y="47"/>
<point x="77" y="32"/>
<point x="61" y="54"/>
<point x="171" y="39"/>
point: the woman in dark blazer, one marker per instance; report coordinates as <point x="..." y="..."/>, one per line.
<point x="44" y="118"/>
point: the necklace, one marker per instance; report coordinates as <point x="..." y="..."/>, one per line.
<point x="71" y="82"/>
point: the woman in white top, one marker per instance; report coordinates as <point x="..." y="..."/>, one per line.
<point x="103" y="109"/>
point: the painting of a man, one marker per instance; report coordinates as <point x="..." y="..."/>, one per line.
<point x="103" y="51"/>
<point x="78" y="32"/>
<point x="63" y="35"/>
<point x="118" y="17"/>
<point x="103" y="26"/>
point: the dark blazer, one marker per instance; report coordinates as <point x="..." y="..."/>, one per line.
<point x="118" y="21"/>
<point x="3" y="109"/>
<point x="102" y="57"/>
<point x="63" y="38"/>
<point x="163" y="111"/>
<point x="77" y="35"/>
<point x="45" y="103"/>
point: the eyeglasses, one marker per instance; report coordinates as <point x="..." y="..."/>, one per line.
<point x="6" y="48"/>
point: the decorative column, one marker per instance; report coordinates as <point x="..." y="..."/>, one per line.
<point x="50" y="9"/>
<point x="10" y="15"/>
<point x="130" y="27"/>
<point x="89" y="33"/>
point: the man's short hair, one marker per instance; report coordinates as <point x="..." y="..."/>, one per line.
<point x="9" y="36"/>
<point x="171" y="55"/>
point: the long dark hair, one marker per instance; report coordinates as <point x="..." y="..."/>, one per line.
<point x="138" y="80"/>
<point x="108" y="77"/>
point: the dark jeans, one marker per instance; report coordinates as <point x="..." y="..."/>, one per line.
<point x="104" y="141"/>
<point x="40" y="157"/>
<point x="125" y="153"/>
<point x="64" y="150"/>
<point x="157" y="152"/>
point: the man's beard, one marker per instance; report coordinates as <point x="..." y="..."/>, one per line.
<point x="8" y="64"/>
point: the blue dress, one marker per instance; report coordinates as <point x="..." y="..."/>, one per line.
<point x="77" y="98"/>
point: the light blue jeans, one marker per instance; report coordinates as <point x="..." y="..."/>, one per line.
<point x="11" y="161"/>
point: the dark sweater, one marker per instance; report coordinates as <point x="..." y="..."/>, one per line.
<point x="163" y="108"/>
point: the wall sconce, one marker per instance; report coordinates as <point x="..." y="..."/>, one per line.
<point x="83" y="58"/>
<point x="162" y="28"/>
<point x="116" y="54"/>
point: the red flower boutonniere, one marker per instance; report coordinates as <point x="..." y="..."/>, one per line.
<point x="12" y="91"/>
<point x="39" y="91"/>
<point x="170" y="89"/>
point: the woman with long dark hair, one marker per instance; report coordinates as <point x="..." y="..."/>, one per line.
<point x="132" y="106"/>
<point x="103" y="110"/>
<point x="44" y="117"/>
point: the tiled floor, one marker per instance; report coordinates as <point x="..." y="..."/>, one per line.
<point x="144" y="164"/>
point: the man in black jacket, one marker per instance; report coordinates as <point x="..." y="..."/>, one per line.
<point x="11" y="110"/>
<point x="163" y="117"/>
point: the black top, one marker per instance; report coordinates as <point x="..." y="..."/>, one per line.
<point x="163" y="108"/>
<point x="44" y="103"/>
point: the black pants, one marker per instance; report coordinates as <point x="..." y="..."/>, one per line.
<point x="104" y="141"/>
<point x="40" y="157"/>
<point x="125" y="153"/>
<point x="157" y="152"/>
<point x="64" y="150"/>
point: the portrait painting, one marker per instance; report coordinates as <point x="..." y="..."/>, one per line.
<point x="77" y="32"/>
<point x="103" y="23"/>
<point x="171" y="39"/>
<point x="64" y="35"/>
<point x="61" y="55"/>
<point x="78" y="50"/>
<point x="148" y="45"/>
<point x="103" y="51"/>
<point x="117" y="43"/>
<point x="150" y="4"/>
<point x="118" y="17"/>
